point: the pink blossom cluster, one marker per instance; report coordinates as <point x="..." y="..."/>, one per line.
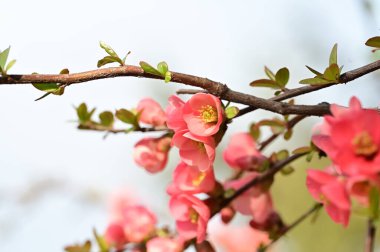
<point x="133" y="223"/>
<point x="242" y="154"/>
<point x="195" y="124"/>
<point x="350" y="137"/>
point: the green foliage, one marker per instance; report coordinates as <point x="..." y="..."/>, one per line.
<point x="86" y="247"/>
<point x="112" y="56"/>
<point x="162" y="70"/>
<point x="51" y="88"/>
<point x="254" y="131"/>
<point x="275" y="81"/>
<point x="330" y="75"/>
<point x="374" y="42"/>
<point x="231" y="112"/>
<point x="84" y="115"/>
<point x="106" y="118"/>
<point x="4" y="67"/>
<point x="102" y="244"/>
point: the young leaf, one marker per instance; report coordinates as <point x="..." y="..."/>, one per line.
<point x="334" y="55"/>
<point x="126" y="116"/>
<point x="168" y="77"/>
<point x="288" y="134"/>
<point x="4" y="57"/>
<point x="64" y="71"/>
<point x="231" y="112"/>
<point x="287" y="170"/>
<point x="269" y="73"/>
<point x="254" y="130"/>
<point x="282" y="154"/>
<point x="315" y="81"/>
<point x="106" y="118"/>
<point x="102" y="244"/>
<point x="282" y="76"/>
<point x="265" y="83"/>
<point x="125" y="57"/>
<point x="79" y="248"/>
<point x="10" y="65"/>
<point x="332" y="73"/>
<point x="46" y="87"/>
<point x="373" y="42"/>
<point x="149" y="69"/>
<point x="162" y="67"/>
<point x="108" y="49"/>
<point x="302" y="150"/>
<point x="314" y="71"/>
<point x="108" y="60"/>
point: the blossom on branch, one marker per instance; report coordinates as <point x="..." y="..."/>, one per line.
<point x="151" y="112"/>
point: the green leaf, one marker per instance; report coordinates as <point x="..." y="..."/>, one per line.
<point x="162" y="67"/>
<point x="168" y="77"/>
<point x="125" y="57"/>
<point x="332" y="73"/>
<point x="108" y="49"/>
<point x="83" y="114"/>
<point x="265" y="83"/>
<point x="315" y="81"/>
<point x="4" y="57"/>
<point x="10" y="65"/>
<point x="282" y="154"/>
<point x="287" y="170"/>
<point x="282" y="76"/>
<point x="334" y="55"/>
<point x="373" y="42"/>
<point x="106" y="118"/>
<point x="374" y="203"/>
<point x="86" y="247"/>
<point x="288" y="134"/>
<point x="269" y="73"/>
<point x="126" y="116"/>
<point x="109" y="59"/>
<point x="102" y="244"/>
<point x="231" y="112"/>
<point x="46" y="87"/>
<point x="149" y="69"/>
<point x="64" y="71"/>
<point x="254" y="130"/>
<point x="277" y="126"/>
<point x="302" y="150"/>
<point x="314" y="71"/>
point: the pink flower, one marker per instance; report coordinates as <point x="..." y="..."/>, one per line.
<point x="120" y="200"/>
<point x="237" y="239"/>
<point x="191" y="180"/>
<point x="115" y="236"/>
<point x="191" y="216"/>
<point x="360" y="186"/>
<point x="203" y="114"/>
<point x="330" y="190"/>
<point x="255" y="201"/>
<point x="195" y="150"/>
<point x="174" y="114"/>
<point x="162" y="244"/>
<point x="138" y="223"/>
<point x="241" y="153"/>
<point x="351" y="138"/>
<point x="152" y="153"/>
<point x="151" y="112"/>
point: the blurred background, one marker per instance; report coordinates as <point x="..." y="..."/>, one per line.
<point x="55" y="180"/>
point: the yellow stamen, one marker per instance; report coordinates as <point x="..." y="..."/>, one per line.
<point x="193" y="215"/>
<point x="208" y="114"/>
<point x="198" y="180"/>
<point x="364" y="145"/>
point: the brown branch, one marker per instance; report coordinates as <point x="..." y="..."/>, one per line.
<point x="370" y="239"/>
<point x="213" y="87"/>
<point x="299" y="220"/>
<point x="190" y="91"/>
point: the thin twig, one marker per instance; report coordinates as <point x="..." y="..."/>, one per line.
<point x="289" y="125"/>
<point x="94" y="127"/>
<point x="294" y="224"/>
<point x="370" y="239"/>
